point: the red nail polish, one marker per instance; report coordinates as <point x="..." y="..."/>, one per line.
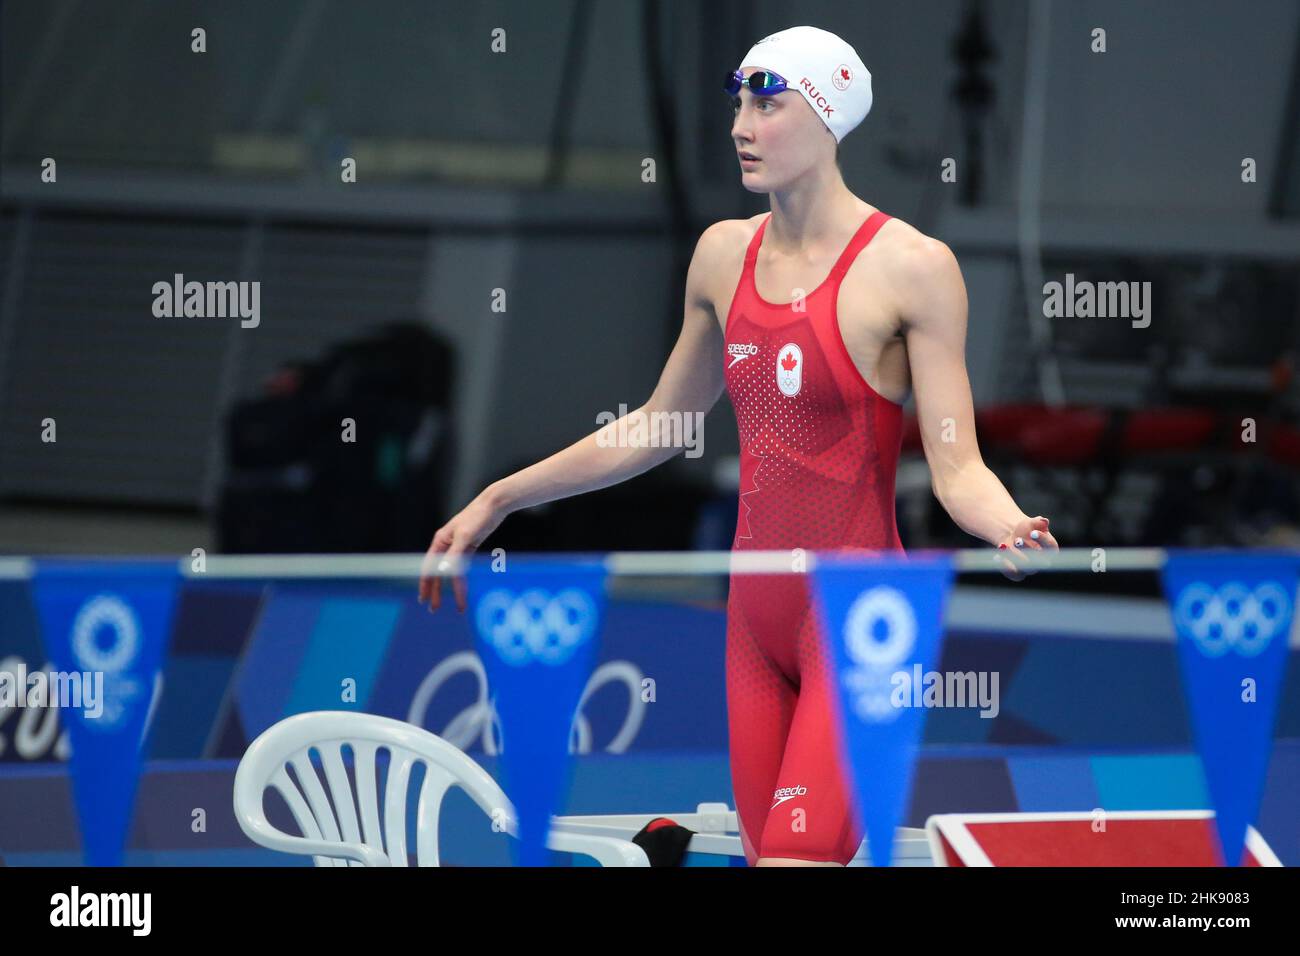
<point x="1002" y="547"/>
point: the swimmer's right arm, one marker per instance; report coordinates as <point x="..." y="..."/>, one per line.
<point x="691" y="382"/>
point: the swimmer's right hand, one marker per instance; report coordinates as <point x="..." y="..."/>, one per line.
<point x="456" y="540"/>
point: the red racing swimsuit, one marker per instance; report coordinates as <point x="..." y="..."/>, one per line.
<point x="818" y="454"/>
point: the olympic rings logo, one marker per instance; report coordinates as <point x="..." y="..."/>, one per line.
<point x="875" y="659"/>
<point x="1232" y="617"/>
<point x="536" y="625"/>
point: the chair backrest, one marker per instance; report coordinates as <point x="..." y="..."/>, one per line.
<point x="336" y="829"/>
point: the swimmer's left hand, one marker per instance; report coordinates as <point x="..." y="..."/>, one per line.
<point x="1030" y="534"/>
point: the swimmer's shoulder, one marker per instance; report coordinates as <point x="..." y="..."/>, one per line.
<point x="902" y="259"/>
<point x="720" y="252"/>
<point x="730" y="236"/>
<point x="719" y="259"/>
<point x="900" y="244"/>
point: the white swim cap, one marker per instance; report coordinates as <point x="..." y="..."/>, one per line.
<point x="823" y="68"/>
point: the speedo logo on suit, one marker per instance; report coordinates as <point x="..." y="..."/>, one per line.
<point x="740" y="351"/>
<point x="787" y="793"/>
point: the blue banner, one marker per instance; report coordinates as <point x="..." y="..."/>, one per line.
<point x="1232" y="615"/>
<point x="882" y="620"/>
<point x="105" y="626"/>
<point x="536" y="624"/>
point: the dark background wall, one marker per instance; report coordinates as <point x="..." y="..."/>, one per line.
<point x="521" y="171"/>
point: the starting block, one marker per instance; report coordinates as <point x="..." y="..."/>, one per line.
<point x="717" y="834"/>
<point x="1130" y="838"/>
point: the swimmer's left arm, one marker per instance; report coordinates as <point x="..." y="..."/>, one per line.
<point x="933" y="309"/>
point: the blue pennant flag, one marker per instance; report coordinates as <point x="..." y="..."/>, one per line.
<point x="537" y="625"/>
<point x="105" y="626"/>
<point x="1232" y="614"/>
<point x="882" y="621"/>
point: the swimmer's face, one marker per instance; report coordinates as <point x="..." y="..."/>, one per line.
<point x="783" y="132"/>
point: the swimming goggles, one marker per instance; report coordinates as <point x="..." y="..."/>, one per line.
<point x="760" y="83"/>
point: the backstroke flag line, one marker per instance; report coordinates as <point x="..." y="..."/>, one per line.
<point x="536" y="626"/>
<point x="1232" y="613"/>
<point x="882" y="619"/>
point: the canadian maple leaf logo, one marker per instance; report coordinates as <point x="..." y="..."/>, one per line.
<point x="844" y="74"/>
<point x="789" y="362"/>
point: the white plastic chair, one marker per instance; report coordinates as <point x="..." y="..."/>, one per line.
<point x="345" y="835"/>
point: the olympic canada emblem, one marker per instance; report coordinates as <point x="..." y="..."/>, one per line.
<point x="1232" y="617"/>
<point x="875" y="660"/>
<point x="789" y="369"/>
